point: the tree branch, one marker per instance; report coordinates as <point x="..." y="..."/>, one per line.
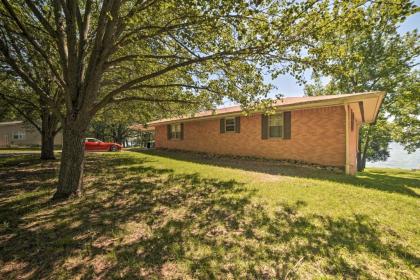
<point x="5" y="51"/>
<point x="41" y="18"/>
<point x="175" y="85"/>
<point x="130" y="84"/>
<point x="37" y="47"/>
<point x="18" y="99"/>
<point x="27" y="117"/>
<point x="151" y="99"/>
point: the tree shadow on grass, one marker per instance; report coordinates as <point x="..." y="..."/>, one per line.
<point x="371" y="179"/>
<point x="136" y="221"/>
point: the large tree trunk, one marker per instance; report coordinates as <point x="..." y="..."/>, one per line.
<point x="70" y="180"/>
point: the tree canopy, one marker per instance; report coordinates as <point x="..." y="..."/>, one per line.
<point x="20" y="99"/>
<point x="116" y="51"/>
<point x="376" y="57"/>
<point x="189" y="52"/>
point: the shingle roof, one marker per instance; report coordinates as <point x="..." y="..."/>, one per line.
<point x="286" y="101"/>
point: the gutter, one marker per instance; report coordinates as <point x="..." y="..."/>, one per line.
<point x="337" y="101"/>
<point x="347" y="165"/>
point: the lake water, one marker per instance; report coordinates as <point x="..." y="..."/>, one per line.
<point x="398" y="158"/>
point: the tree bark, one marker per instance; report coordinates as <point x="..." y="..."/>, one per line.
<point x="48" y="132"/>
<point x="362" y="155"/>
<point x="359" y="162"/>
<point x="47" y="145"/>
<point x="70" y="181"/>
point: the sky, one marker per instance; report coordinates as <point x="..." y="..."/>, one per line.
<point x="399" y="158"/>
<point x="288" y="86"/>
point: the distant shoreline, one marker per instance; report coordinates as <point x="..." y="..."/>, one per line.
<point x="399" y="158"/>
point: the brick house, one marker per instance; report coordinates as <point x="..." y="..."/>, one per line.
<point x="321" y="130"/>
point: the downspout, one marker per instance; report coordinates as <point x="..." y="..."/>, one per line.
<point x="347" y="165"/>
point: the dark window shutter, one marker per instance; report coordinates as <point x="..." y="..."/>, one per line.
<point x="168" y="130"/>
<point x="222" y="125"/>
<point x="287" y="118"/>
<point x="182" y="131"/>
<point x="264" y="126"/>
<point x="238" y="124"/>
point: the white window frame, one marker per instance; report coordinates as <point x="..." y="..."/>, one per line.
<point x="234" y="125"/>
<point x="176" y="131"/>
<point x="282" y="126"/>
<point x="20" y="135"/>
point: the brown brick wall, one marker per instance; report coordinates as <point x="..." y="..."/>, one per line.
<point x="318" y="136"/>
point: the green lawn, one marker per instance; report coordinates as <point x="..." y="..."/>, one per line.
<point x="20" y="150"/>
<point x="170" y="215"/>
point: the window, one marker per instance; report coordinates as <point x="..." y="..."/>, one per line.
<point x="176" y="131"/>
<point x="230" y="124"/>
<point x="275" y="126"/>
<point x="19" y="135"/>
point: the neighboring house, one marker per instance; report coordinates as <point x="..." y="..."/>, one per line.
<point x="19" y="133"/>
<point x="322" y="130"/>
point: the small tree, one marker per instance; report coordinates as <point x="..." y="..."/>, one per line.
<point x="18" y="97"/>
<point x="113" y="123"/>
<point x="374" y="143"/>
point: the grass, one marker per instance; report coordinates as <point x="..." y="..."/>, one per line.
<point x="35" y="148"/>
<point x="171" y="215"/>
<point x="22" y="150"/>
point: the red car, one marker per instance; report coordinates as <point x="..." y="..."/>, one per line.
<point x="95" y="145"/>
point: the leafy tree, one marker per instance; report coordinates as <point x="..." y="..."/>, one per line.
<point x="111" y="130"/>
<point x="404" y="110"/>
<point x="113" y="123"/>
<point x="375" y="57"/>
<point x="116" y="51"/>
<point x="20" y="101"/>
<point x="375" y="143"/>
<point x="6" y="112"/>
<point x="28" y="74"/>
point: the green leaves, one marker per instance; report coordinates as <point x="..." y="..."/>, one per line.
<point x="199" y="52"/>
<point x="370" y="55"/>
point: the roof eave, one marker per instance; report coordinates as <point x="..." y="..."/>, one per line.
<point x="300" y="105"/>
